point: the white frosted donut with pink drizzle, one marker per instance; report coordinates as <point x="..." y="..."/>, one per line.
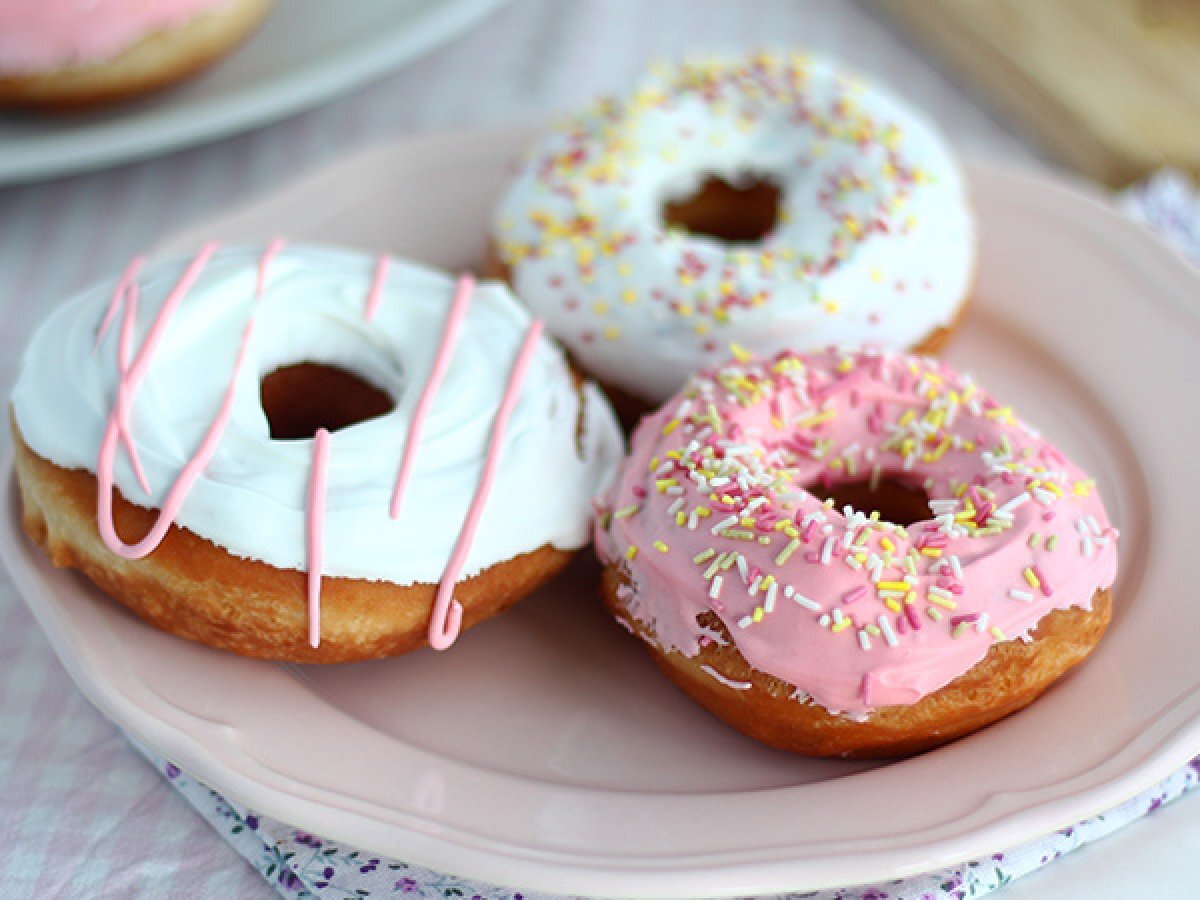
<point x="46" y="35"/>
<point x="152" y="383"/>
<point x="710" y="514"/>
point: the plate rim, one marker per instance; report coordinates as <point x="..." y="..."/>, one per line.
<point x="1152" y="763"/>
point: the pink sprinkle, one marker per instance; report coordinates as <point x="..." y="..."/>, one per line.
<point x="901" y="625"/>
<point x="1048" y="516"/>
<point x="910" y="611"/>
<point x="1046" y="590"/>
<point x="808" y="530"/>
<point x="853" y="596"/>
<point x="866" y="688"/>
<point x="955" y="621"/>
<point x="639" y="492"/>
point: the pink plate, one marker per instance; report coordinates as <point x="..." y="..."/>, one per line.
<point x="544" y="750"/>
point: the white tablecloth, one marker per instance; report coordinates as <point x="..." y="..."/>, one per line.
<point x="81" y="813"/>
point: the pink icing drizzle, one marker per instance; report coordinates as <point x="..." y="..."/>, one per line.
<point x="441" y="362"/>
<point x="268" y="256"/>
<point x="446" y="617"/>
<point x="375" y="295"/>
<point x="315" y="521"/>
<point x="446" y="620"/>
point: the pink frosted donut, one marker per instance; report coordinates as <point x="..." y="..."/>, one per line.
<point x="828" y="629"/>
<point x="72" y="53"/>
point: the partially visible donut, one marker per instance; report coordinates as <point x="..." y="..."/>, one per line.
<point x="304" y="453"/>
<point x="819" y="625"/>
<point x="775" y="202"/>
<point x="62" y="54"/>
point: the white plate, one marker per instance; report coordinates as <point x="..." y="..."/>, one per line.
<point x="544" y="750"/>
<point x="307" y="52"/>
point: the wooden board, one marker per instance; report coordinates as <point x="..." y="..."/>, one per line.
<point x="1110" y="87"/>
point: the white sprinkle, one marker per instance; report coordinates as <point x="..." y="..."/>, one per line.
<point x="693" y="520"/>
<point x="724" y="523"/>
<point x="981" y="623"/>
<point x="1094" y="525"/>
<point x="1015" y="503"/>
<point x="743" y="569"/>
<point x="1023" y="596"/>
<point x="823" y="621"/>
<point x="955" y="566"/>
<point x="714" y="589"/>
<point x="755" y="504"/>
<point x="801" y="599"/>
<point x="827" y="551"/>
<point x="837" y="616"/>
<point x="864" y="639"/>
<point x="745" y="621"/>
<point x="728" y="682"/>
<point x="852" y="562"/>
<point x="675" y="507"/>
<point x="769" y="603"/>
<point x="1087" y="546"/>
<point x="754" y="584"/>
<point x="940" y="592"/>
<point x="889" y="634"/>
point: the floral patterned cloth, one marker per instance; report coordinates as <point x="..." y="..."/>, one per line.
<point x="301" y="865"/>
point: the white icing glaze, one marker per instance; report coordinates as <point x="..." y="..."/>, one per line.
<point x="643" y="306"/>
<point x="251" y="498"/>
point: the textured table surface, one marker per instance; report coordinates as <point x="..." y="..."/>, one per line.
<point x="81" y="813"/>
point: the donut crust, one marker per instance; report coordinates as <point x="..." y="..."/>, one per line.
<point x="192" y="588"/>
<point x="155" y="61"/>
<point x="1012" y="675"/>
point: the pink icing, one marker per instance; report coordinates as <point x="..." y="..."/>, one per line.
<point x="446" y="620"/>
<point x="375" y="295"/>
<point x="441" y="362"/>
<point x="43" y="35"/>
<point x="315" y="521"/>
<point x="714" y="489"/>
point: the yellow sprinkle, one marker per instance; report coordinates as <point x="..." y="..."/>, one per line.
<point x="704" y="556"/>
<point x="629" y="296"/>
<point x="670" y="426"/>
<point x="893" y="605"/>
<point x="891" y="585"/>
<point x="612" y="332"/>
<point x="740" y="353"/>
<point x="1031" y="579"/>
<point x="661" y="547"/>
<point x="626" y="511"/>
<point x="758" y="614"/>
<point x="935" y="552"/>
<point x="1034" y="540"/>
<point x="631" y="552"/>
<point x="886" y="544"/>
<point x="680" y="518"/>
<point x="815" y="419"/>
<point x="941" y="601"/>
<point x="663" y="483"/>
<point x="787" y="551"/>
<point x="841" y="626"/>
<point x="1084" y="488"/>
<point x="910" y="599"/>
<point x="996" y="633"/>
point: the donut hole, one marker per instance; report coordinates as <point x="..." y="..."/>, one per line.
<point x="895" y="501"/>
<point x="300" y="398"/>
<point x="740" y="212"/>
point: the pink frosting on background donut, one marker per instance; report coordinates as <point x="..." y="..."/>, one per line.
<point x="709" y="512"/>
<point x="43" y="35"/>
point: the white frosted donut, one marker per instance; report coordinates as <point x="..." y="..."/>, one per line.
<point x="874" y="241"/>
<point x="207" y="329"/>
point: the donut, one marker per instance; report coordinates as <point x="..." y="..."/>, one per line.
<point x="854" y="553"/>
<point x="306" y="453"/>
<point x="777" y="202"/>
<point x="63" y="54"/>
